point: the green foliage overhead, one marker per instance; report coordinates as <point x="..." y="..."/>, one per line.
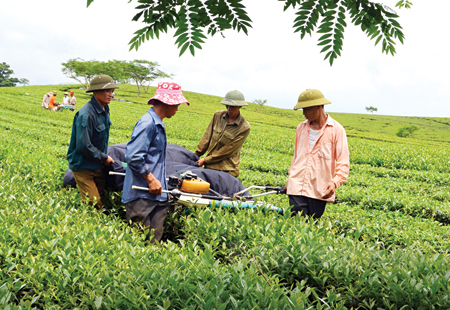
<point x="194" y="19"/>
<point x="404" y="3"/>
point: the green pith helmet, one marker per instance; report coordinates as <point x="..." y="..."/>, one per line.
<point x="55" y="93"/>
<point x="234" y="98"/>
<point x="101" y="82"/>
<point x="311" y="98"/>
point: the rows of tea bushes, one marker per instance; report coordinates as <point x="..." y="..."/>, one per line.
<point x="413" y="198"/>
<point x="430" y="177"/>
<point x="383" y="245"/>
<point x="338" y="266"/>
<point x="400" y="156"/>
<point x="56" y="252"/>
<point x="388" y="229"/>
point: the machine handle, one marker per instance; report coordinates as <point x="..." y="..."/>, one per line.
<point x="211" y="197"/>
<point x="177" y="193"/>
<point x="116" y="173"/>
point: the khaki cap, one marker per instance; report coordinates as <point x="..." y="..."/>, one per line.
<point x="311" y="98"/>
<point x="234" y="98"/>
<point x="101" y="82"/>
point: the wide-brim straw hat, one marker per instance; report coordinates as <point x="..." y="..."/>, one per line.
<point x="234" y="98"/>
<point x="101" y="82"/>
<point x="311" y="98"/>
<point x="169" y="93"/>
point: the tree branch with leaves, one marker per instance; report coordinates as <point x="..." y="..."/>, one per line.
<point x="194" y="20"/>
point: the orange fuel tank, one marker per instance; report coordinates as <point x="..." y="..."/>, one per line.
<point x="195" y="186"/>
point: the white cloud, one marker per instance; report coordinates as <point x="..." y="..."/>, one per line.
<point x="15" y="36"/>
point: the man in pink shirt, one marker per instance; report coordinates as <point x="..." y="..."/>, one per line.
<point x="321" y="158"/>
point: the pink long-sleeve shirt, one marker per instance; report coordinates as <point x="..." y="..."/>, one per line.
<point x="312" y="170"/>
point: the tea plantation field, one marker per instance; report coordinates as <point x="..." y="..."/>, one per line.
<point x="384" y="244"/>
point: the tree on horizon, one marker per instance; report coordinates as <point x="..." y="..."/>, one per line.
<point x="5" y="76"/>
<point x="371" y="109"/>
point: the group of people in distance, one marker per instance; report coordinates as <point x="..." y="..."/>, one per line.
<point x="49" y="101"/>
<point x="320" y="163"/>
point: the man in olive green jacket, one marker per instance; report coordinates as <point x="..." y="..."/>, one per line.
<point x="224" y="137"/>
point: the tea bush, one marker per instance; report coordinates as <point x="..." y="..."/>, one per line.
<point x="382" y="245"/>
<point x="407" y="131"/>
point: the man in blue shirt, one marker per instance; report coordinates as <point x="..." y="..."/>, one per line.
<point x="146" y="161"/>
<point x="89" y="141"/>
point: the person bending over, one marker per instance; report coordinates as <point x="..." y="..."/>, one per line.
<point x="224" y="137"/>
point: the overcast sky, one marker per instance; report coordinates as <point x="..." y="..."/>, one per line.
<point x="270" y="63"/>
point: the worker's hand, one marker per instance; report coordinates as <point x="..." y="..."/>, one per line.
<point x="154" y="186"/>
<point x="329" y="190"/>
<point x="201" y="162"/>
<point x="108" y="161"/>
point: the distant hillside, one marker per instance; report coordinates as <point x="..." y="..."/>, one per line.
<point x="374" y="127"/>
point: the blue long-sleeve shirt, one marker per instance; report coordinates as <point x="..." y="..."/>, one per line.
<point x="146" y="153"/>
<point x="90" y="135"/>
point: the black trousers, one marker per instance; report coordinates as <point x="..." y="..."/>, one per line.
<point x="307" y="207"/>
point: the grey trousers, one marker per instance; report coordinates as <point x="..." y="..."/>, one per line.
<point x="151" y="214"/>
